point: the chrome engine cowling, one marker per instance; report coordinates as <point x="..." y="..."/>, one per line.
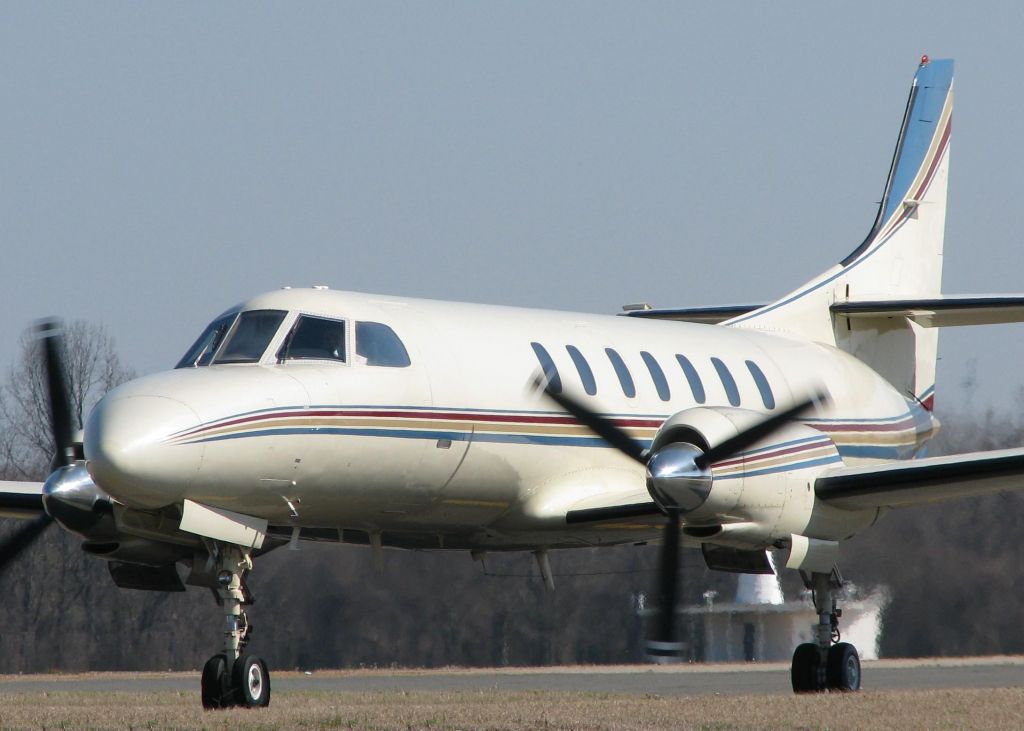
<point x="674" y="479"/>
<point x="72" y="499"/>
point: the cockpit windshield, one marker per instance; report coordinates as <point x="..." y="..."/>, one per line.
<point x="250" y="336"/>
<point x="316" y="338"/>
<point x="202" y="350"/>
<point x="243" y="337"/>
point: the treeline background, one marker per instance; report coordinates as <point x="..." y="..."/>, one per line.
<point x="951" y="573"/>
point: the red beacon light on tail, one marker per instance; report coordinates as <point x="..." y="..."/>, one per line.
<point x="924" y="60"/>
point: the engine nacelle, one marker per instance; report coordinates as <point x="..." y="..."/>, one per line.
<point x="673" y="479"/>
<point x="72" y="499"/>
<point x="757" y="498"/>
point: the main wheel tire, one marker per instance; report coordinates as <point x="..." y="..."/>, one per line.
<point x="250" y="680"/>
<point x="214" y="684"/>
<point x="804" y="671"/>
<point x="843" y="668"/>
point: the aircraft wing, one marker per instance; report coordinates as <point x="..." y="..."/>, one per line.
<point x="591" y="496"/>
<point x="929" y="480"/>
<point x="21" y="499"/>
<point x="615" y="511"/>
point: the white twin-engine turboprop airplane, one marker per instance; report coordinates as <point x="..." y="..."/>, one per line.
<point x="313" y="414"/>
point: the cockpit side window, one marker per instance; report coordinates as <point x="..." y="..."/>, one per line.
<point x="250" y="336"/>
<point x="314" y="338"/>
<point x="379" y="344"/>
<point x="203" y="349"/>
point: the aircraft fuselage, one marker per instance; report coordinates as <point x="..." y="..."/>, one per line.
<point x="458" y="444"/>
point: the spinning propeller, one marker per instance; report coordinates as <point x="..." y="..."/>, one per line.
<point x="679" y="479"/>
<point x="52" y="362"/>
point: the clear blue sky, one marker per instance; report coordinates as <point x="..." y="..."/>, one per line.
<point x="160" y="162"/>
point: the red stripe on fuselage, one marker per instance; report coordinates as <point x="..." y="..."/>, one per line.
<point x="438" y="415"/>
<point x="775" y="453"/>
<point x="904" y="425"/>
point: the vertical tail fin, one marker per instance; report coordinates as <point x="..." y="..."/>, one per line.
<point x="901" y="258"/>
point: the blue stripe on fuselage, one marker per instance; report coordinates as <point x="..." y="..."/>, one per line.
<point x="423" y="434"/>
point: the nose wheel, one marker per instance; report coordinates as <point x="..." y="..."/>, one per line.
<point x="232" y="678"/>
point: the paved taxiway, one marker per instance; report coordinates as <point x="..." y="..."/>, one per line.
<point x="995" y="672"/>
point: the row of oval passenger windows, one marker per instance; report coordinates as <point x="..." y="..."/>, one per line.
<point x="661" y="383"/>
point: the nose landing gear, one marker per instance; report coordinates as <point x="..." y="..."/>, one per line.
<point x="827" y="663"/>
<point x="231" y="678"/>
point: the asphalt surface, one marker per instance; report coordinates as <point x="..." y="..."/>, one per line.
<point x="639" y="679"/>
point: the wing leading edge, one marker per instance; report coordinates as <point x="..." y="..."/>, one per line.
<point x="929" y="480"/>
<point x="21" y="499"/>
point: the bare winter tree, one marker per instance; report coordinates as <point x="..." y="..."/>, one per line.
<point x="26" y="441"/>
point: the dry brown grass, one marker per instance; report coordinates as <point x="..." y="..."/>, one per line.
<point x="398" y="710"/>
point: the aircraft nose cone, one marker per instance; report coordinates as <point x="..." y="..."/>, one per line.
<point x="132" y="452"/>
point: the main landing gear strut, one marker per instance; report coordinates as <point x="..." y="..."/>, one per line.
<point x="826" y="663"/>
<point x="233" y="678"/>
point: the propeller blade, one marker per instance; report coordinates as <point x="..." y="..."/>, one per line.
<point x="21" y="539"/>
<point x="601" y="426"/>
<point x="662" y="642"/>
<point x="57" y="391"/>
<point x="755" y="433"/>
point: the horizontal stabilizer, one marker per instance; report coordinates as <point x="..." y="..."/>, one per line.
<point x="21" y="499"/>
<point x="703" y="315"/>
<point x="931" y="480"/>
<point x="945" y="311"/>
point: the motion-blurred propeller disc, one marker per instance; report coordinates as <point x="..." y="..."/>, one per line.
<point x="598" y="424"/>
<point x="663" y="643"/>
<point x="760" y="430"/>
<point x="21" y="539"/>
<point x="57" y="390"/>
<point x="52" y="357"/>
